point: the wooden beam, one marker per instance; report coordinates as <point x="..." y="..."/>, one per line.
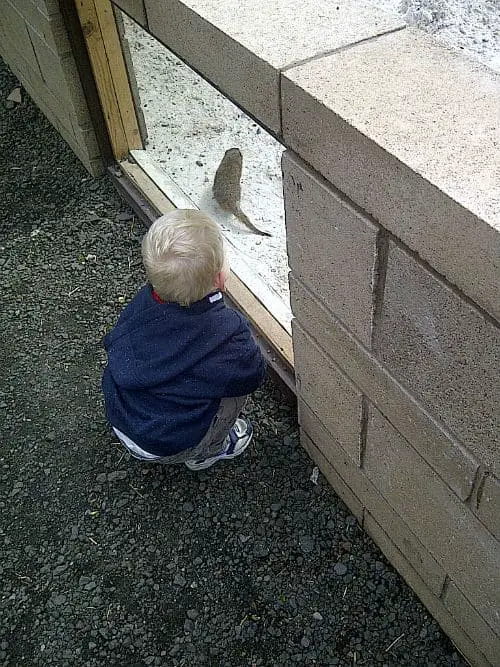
<point x="261" y="318"/>
<point x="100" y="66"/>
<point x="83" y="65"/>
<point x="118" y="70"/>
<point x="147" y="187"/>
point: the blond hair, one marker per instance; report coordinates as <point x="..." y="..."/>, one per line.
<point x="182" y="252"/>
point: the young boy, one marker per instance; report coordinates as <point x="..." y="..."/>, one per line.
<point x="181" y="363"/>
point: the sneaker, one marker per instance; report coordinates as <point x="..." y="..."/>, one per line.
<point x="236" y="442"/>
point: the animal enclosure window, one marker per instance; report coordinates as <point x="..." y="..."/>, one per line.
<point x="190" y="126"/>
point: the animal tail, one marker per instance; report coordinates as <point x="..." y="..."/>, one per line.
<point x="246" y="221"/>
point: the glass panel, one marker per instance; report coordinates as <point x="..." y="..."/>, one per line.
<point x="190" y="125"/>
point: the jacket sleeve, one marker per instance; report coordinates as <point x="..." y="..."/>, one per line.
<point x="247" y="365"/>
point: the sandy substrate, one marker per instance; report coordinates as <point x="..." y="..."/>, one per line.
<point x="190" y="125"/>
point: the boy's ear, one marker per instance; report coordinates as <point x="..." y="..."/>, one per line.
<point x="220" y="281"/>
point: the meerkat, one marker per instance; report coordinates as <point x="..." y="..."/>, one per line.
<point x="227" y="187"/>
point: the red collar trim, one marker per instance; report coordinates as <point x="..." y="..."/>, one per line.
<point x="157" y="298"/>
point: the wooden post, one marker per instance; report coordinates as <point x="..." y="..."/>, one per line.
<point x="108" y="65"/>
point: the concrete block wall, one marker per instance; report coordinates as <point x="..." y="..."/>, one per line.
<point x="393" y="232"/>
<point x="398" y="382"/>
<point x="35" y="45"/>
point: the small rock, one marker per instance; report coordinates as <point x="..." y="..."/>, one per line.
<point x="125" y="216"/>
<point x="15" y="96"/>
<point x="116" y="475"/>
<point x="317" y="616"/>
<point x="340" y="569"/>
<point x="306" y="544"/>
<point x="58" y="600"/>
<point x="305" y="642"/>
<point x="261" y="550"/>
<point x="179" y="580"/>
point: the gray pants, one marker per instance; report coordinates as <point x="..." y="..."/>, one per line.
<point x="212" y="443"/>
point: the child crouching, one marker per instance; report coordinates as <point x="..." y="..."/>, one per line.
<point x="180" y="362"/>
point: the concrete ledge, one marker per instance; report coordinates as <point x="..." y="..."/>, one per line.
<point x="419" y="156"/>
<point x="242" y="47"/>
<point x="400" y="545"/>
<point x="467" y="616"/>
<point x="452" y="462"/>
<point x="50" y="28"/>
<point x="17" y="45"/>
<point x="60" y="76"/>
<point x="428" y="594"/>
<point x="15" y="38"/>
<point x="48" y="7"/>
<point x="135" y="9"/>
<point x="488" y="509"/>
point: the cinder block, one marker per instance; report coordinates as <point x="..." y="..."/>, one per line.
<point x="50" y="29"/>
<point x="453" y="463"/>
<point x="80" y="141"/>
<point x="15" y="35"/>
<point x="445" y="352"/>
<point x="48" y="7"/>
<point x="331" y="246"/>
<point x="135" y="9"/>
<point x="353" y="486"/>
<point x="328" y="392"/>
<point x="458" y="629"/>
<point x="465" y="614"/>
<point x="86" y="138"/>
<point x="61" y="77"/>
<point x="488" y="509"/>
<point x="446" y="527"/>
<point x="241" y="47"/>
<point x="378" y="123"/>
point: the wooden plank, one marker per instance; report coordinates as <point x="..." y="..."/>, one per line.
<point x="104" y="81"/>
<point x="116" y="64"/>
<point x="148" y="188"/>
<point x="166" y="184"/>
<point x="82" y="60"/>
<point x="261" y="318"/>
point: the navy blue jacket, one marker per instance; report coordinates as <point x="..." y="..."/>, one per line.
<point x="169" y="366"/>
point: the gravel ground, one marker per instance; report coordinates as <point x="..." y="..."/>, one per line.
<point x="108" y="561"/>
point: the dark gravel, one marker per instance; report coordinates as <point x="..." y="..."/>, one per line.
<point x="107" y="561"/>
